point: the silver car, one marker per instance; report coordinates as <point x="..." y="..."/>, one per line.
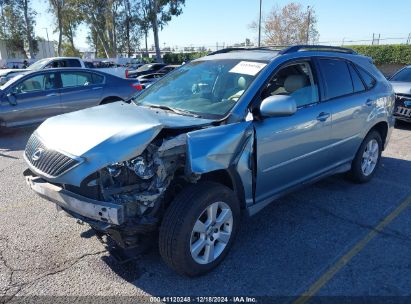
<point x="223" y="135"/>
<point x="32" y="97"/>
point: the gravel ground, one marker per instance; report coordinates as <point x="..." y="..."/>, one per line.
<point x="282" y="251"/>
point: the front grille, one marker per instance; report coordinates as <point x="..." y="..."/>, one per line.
<point x="48" y="162"/>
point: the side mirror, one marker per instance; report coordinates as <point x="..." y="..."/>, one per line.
<point x="11" y="99"/>
<point x="277" y="106"/>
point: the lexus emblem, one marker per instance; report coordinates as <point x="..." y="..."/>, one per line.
<point x="37" y="154"/>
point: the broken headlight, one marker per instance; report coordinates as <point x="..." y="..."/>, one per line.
<point x="141" y="167"/>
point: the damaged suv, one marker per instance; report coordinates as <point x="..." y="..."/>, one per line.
<point x="223" y="135"/>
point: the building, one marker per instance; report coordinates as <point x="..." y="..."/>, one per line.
<point x="10" y="58"/>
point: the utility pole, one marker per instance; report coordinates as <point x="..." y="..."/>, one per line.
<point x="259" y="26"/>
<point x="308" y="25"/>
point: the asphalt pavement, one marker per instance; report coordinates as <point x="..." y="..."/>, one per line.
<point x="330" y="239"/>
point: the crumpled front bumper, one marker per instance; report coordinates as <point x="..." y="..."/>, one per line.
<point x="101" y="211"/>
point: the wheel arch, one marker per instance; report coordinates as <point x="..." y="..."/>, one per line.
<point x="109" y="99"/>
<point x="382" y="128"/>
<point x="229" y="178"/>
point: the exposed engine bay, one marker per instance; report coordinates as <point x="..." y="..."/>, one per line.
<point x="141" y="186"/>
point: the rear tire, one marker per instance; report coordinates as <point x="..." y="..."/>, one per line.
<point x="199" y="228"/>
<point x="367" y="159"/>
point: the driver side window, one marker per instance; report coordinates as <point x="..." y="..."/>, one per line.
<point x="296" y="80"/>
<point x="36" y="83"/>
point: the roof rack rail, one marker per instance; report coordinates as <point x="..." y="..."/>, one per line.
<point x="325" y="48"/>
<point x="233" y="49"/>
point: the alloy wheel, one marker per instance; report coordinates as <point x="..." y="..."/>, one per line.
<point x="370" y="157"/>
<point x="211" y="233"/>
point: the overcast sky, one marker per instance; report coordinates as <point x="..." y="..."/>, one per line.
<point x="206" y="22"/>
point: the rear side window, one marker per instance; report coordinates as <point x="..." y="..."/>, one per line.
<point x="368" y="79"/>
<point x="356" y="80"/>
<point x="97" y="79"/>
<point x="337" y="77"/>
<point x="76" y="79"/>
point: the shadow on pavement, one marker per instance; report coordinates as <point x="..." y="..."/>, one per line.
<point x="402" y="125"/>
<point x="14" y="139"/>
<point x="285" y="248"/>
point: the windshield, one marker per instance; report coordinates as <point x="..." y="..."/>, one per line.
<point x="403" y="75"/>
<point x="38" y="64"/>
<point x="206" y="88"/>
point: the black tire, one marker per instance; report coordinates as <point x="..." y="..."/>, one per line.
<point x="177" y="226"/>
<point x="356" y="174"/>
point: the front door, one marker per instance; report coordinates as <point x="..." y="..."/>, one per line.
<point x="37" y="97"/>
<point x="293" y="149"/>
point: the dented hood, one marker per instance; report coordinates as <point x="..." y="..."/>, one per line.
<point x="80" y="132"/>
<point x="107" y="134"/>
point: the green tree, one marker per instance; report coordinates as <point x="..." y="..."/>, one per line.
<point x="28" y="25"/>
<point x="18" y="12"/>
<point x="143" y="20"/>
<point x="128" y="30"/>
<point x="56" y="7"/>
<point x="101" y="16"/>
<point x="160" y="12"/>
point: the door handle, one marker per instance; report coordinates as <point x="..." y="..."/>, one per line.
<point x="323" y="116"/>
<point x="51" y="95"/>
<point x="369" y="102"/>
<point x="97" y="88"/>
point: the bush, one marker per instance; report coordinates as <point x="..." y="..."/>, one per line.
<point x="386" y="54"/>
<point x="179" y="58"/>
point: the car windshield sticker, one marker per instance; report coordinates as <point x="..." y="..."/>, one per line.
<point x="248" y="68"/>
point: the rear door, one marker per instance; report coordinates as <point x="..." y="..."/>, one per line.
<point x="37" y="98"/>
<point x="80" y="89"/>
<point x="351" y="105"/>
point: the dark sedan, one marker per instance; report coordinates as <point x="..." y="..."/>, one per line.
<point x="32" y="97"/>
<point x="148" y="68"/>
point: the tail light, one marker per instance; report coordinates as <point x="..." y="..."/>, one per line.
<point x="138" y="86"/>
<point x="126" y="73"/>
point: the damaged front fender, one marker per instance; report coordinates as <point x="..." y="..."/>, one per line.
<point x="216" y="148"/>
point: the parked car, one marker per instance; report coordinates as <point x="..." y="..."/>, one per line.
<point x="149" y="79"/>
<point x="401" y="82"/>
<point x="167" y="69"/>
<point x="223" y="135"/>
<point x="74" y="62"/>
<point x="31" y="97"/>
<point x="148" y="68"/>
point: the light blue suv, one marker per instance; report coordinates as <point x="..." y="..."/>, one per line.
<point x="225" y="134"/>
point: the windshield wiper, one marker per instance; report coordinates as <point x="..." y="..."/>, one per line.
<point x="177" y="111"/>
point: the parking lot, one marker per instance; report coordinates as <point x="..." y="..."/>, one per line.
<point x="333" y="238"/>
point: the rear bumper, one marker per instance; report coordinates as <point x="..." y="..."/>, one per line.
<point x="104" y="212"/>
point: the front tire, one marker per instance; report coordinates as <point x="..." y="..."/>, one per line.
<point x="199" y="228"/>
<point x="367" y="159"/>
